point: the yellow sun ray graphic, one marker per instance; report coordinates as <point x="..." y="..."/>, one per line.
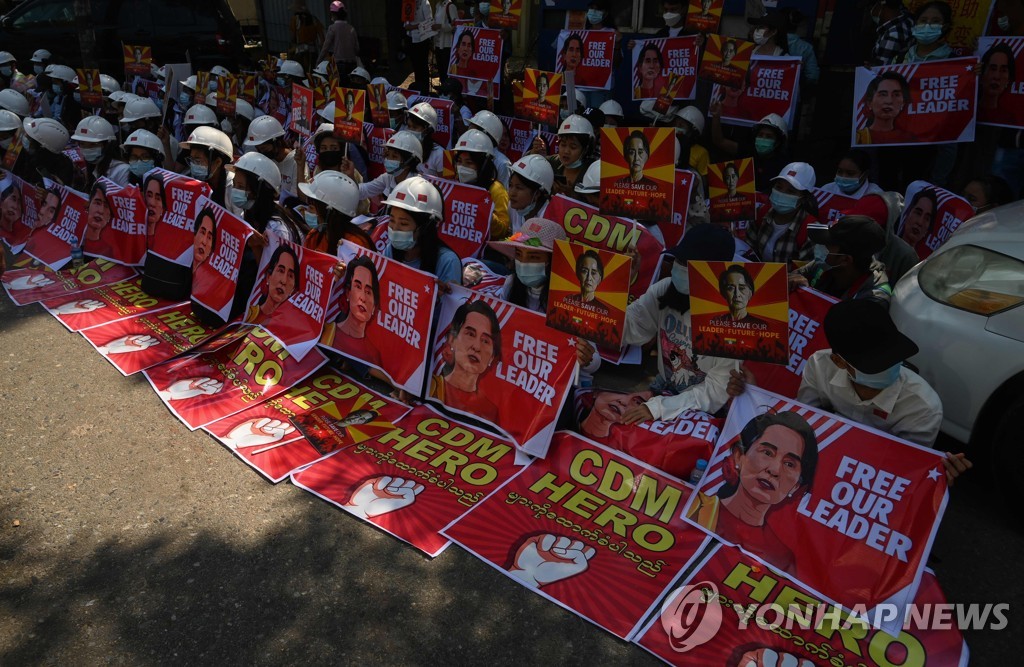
<point x="704" y="270"/>
<point x="700" y="306"/>
<point x="766" y="273"/>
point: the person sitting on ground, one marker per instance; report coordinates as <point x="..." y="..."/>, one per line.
<point x="845" y="266"/>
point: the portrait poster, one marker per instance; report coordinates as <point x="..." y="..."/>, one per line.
<point x="115" y="223"/>
<point x="377" y="100"/>
<point x="302" y="110"/>
<point x="245" y="366"/>
<point x="476" y="60"/>
<point x="930" y="216"/>
<point x="202" y="87"/>
<point x="638" y="171"/>
<point x="90" y="91"/>
<point x="466" y="228"/>
<point x="731" y="190"/>
<point x="219" y="246"/>
<point x="847" y="511"/>
<point x="592" y="530"/>
<point x="731" y="610"/>
<point x="380" y="315"/>
<point x="932" y="102"/>
<point x="772" y="85"/>
<point x="14" y="150"/>
<point x="149" y="338"/>
<point x="138" y="60"/>
<point x="416" y="479"/>
<point x="589" y="55"/>
<point x="672" y="446"/>
<point x="38" y="283"/>
<point x="726" y="60"/>
<point x="674" y="228"/>
<point x="247" y="87"/>
<point x="227" y="95"/>
<point x="267" y="437"/>
<point x="1000" y="96"/>
<point x="542" y="92"/>
<point x="19" y="213"/>
<point x="376" y="138"/>
<point x="588" y="293"/>
<point x="704" y="15"/>
<point x="171" y="213"/>
<point x="448" y="171"/>
<point x="349" y="110"/>
<point x="445" y="109"/>
<point x="291" y="294"/>
<point x="503" y="365"/>
<point x="505" y="14"/>
<point x="520" y="133"/>
<point x="831" y="206"/>
<point x="104" y="304"/>
<point x="654" y="63"/>
<point x="740" y="310"/>
<point x="807" y="309"/>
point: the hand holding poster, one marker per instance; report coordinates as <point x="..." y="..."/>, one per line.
<point x="349" y="110"/>
<point x="589" y="55"/>
<point x="771" y="86"/>
<point x="505" y="14"/>
<point x="704" y="15"/>
<point x="115" y="223"/>
<point x="588" y="293"/>
<point x="731" y="190"/>
<point x="103" y="305"/>
<point x="739" y="310"/>
<point x="467" y="216"/>
<point x="476" y="58"/>
<point x="923" y="103"/>
<point x="1000" y="96"/>
<point x="302" y="110"/>
<point x="541" y="96"/>
<point x="930" y="216"/>
<point x="638" y="171"/>
<point x="137" y="60"/>
<point x="656" y="60"/>
<point x="217" y="257"/>
<point x="726" y="60"/>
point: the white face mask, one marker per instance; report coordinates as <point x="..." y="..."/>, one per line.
<point x="680" y="278"/>
<point x="671" y="18"/>
<point x="1004" y="23"/>
<point x="401" y="240"/>
<point x="760" y="36"/>
<point x="531" y="274"/>
<point x="92" y="154"/>
<point x="466" y="174"/>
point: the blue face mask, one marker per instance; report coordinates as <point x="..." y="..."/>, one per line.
<point x="847" y="185"/>
<point x="878" y="380"/>
<point x="783" y="202"/>
<point x="139" y="168"/>
<point x="575" y="165"/>
<point x="279" y="81"/>
<point x="764" y="145"/>
<point x="680" y="278"/>
<point x="392" y="166"/>
<point x="184" y="100"/>
<point x="240" y="199"/>
<point x="393" y="122"/>
<point x="57" y="88"/>
<point x="531" y="274"/>
<point x="92" y="154"/>
<point x="311" y="219"/>
<point x="401" y="240"/>
<point x="199" y="172"/>
<point x="595" y="16"/>
<point x="820" y="253"/>
<point x="7" y="71"/>
<point x="523" y="212"/>
<point x="38" y="69"/>
<point x="927" y="34"/>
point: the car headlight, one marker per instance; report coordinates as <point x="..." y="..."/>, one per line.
<point x="974" y="279"/>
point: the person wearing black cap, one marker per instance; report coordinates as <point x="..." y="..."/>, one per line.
<point x="662" y="313"/>
<point x="845" y="266"/>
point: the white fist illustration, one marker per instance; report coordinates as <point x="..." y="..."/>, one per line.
<point x="382" y="495"/>
<point x="125" y="344"/>
<point x="78" y="307"/>
<point x="29" y="282"/>
<point x="768" y="657"/>
<point x="253" y="432"/>
<point x="191" y="388"/>
<point x="544" y="559"/>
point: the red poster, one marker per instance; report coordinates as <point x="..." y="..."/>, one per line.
<point x="476" y="59"/>
<point x="518" y="135"/>
<point x="739" y="310"/>
<point x="247" y="87"/>
<point x="592" y="530"/>
<point x="638" y="171"/>
<point x="14" y="150"/>
<point x="137" y="60"/>
<point x="673" y="446"/>
<point x="89" y="89"/>
<point x="265" y="435"/>
<point x="731" y="190"/>
<point x="588" y="293"/>
<point x="732" y="610"/>
<point x="479" y="277"/>
<point x="171" y="213"/>
<point x="726" y="60"/>
<point x="408" y="11"/>
<point x="220" y="239"/>
<point x="923" y="103"/>
<point x="674" y="228"/>
<point x="467" y="216"/>
<point x="349" y="110"/>
<point x="930" y="216"/>
<point x="771" y="86"/>
<point x="442" y="134"/>
<point x="115" y="223"/>
<point x="61" y="223"/>
<point x="28" y="285"/>
<point x="448" y="171"/>
<point x="1000" y="95"/>
<point x="378" y="102"/>
<point x="290" y="296"/>
<point x="302" y="110"/>
<point x="589" y="55"/>
<point x="848" y="511"/>
<point x="655" y="61"/>
<point x="383" y="314"/>
<point x="502" y="364"/>
<point x="103" y="305"/>
<point x="202" y="87"/>
<point x="831" y="206"/>
<point x="19" y="210"/>
<point x="542" y="92"/>
<point x="704" y="15"/>
<point x="415" y="480"/>
<point x="807" y="308"/>
<point x="148" y="339"/>
<point x="376" y="137"/>
<point x="505" y="14"/>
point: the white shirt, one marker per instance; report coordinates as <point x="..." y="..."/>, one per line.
<point x="434" y="164"/>
<point x="908" y="409"/>
<point x="777" y="232"/>
<point x="289" y="174"/>
<point x="423" y="13"/>
<point x="442" y="17"/>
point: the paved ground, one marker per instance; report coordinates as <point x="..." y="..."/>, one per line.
<point x="139" y="542"/>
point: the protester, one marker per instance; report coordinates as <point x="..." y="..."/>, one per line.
<point x="421" y="120"/>
<point x="42" y="157"/>
<point x="575" y="145"/>
<point x="894" y="32"/>
<point x="529" y="190"/>
<point x="780" y="233"/>
<point x="267" y="137"/>
<point x="474" y="165"/>
<point x="98" y="143"/>
<point x="589" y="188"/>
<point x="144" y="151"/>
<point x="766" y="143"/>
<point x="987" y="192"/>
<point x="416" y="210"/>
<point x="335" y="198"/>
<point x="769" y="34"/>
<point x="852" y="176"/>
<point x="488" y="123"/>
<point x="419" y="53"/>
<point x="210" y="151"/>
<point x="810" y="72"/>
<point x="689" y="124"/>
<point x="844" y="265"/>
<point x="445" y="14"/>
<point x="897" y="256"/>
<point x="307" y="34"/>
<point x="402" y="157"/>
<point x="933" y="22"/>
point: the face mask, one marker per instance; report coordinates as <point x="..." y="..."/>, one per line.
<point x="279" y="81"/>
<point x="311" y="219"/>
<point x="595" y="16"/>
<point x="38" y="69"/>
<point x="877" y="18"/>
<point x="417" y="133"/>
<point x="847" y="185"/>
<point x="140" y="167"/>
<point x="401" y="240"/>
<point x="878" y="380"/>
<point x="575" y="165"/>
<point x="57" y="88"/>
<point x="184" y="100"/>
<point x="927" y="34"/>
<point x="763" y="145"/>
<point x="523" y="212"/>
<point x="394" y="123"/>
<point x="484" y="8"/>
<point x="6" y="143"/>
<point x="240" y="199"/>
<point x="212" y="87"/>
<point x="331" y="159"/>
<point x="392" y="166"/>
<point x="92" y="154"/>
<point x="7" y="71"/>
<point x="820" y="252"/>
<point x="1004" y="23"/>
<point x="680" y="278"/>
<point x="77" y="97"/>
<point x="759" y="36"/>
<point x="671" y="18"/>
<point x="783" y="202"/>
<point x="531" y="274"/>
<point x="466" y="174"/>
<point x="199" y="172"/>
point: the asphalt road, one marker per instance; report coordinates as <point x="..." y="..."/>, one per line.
<point x="126" y="539"/>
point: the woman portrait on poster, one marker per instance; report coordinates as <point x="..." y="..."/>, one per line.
<point x="998" y="74"/>
<point x="49" y="207"/>
<point x="464" y="50"/>
<point x="886" y="97"/>
<point x="205" y="240"/>
<point x="282" y="281"/>
<point x="362" y="296"/>
<point x="473" y="347"/>
<point x="97" y="218"/>
<point x="919" y="216"/>
<point x="649" y="68"/>
<point x="600" y="409"/>
<point x="11" y="205"/>
<point x="572" y="53"/>
<point x="156" y="202"/>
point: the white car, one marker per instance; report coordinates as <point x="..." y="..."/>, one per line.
<point x="964" y="307"/>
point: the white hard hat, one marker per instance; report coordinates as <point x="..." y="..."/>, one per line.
<point x="9" y="121"/>
<point x="379" y="80"/>
<point x="50" y="134"/>
<point x="211" y="137"/>
<point x="406" y="141"/>
<point x="138" y="109"/>
<point x="323" y="128"/>
<point x="535" y="169"/>
<point x="426" y="113"/>
<point x="489" y="123"/>
<point x="189" y="83"/>
<point x="93" y="129"/>
<point x="693" y="116"/>
<point x="262" y="130"/>
<point x="334" y="189"/>
<point x="474" y="141"/>
<point x="291" y="68"/>
<point x="121" y="97"/>
<point x="591" y="183"/>
<point x="144" y="139"/>
<point x="327" y="113"/>
<point x="244" y="109"/>
<point x="798" y="174"/>
<point x="198" y="114"/>
<point x="41" y="56"/>
<point x="396" y="101"/>
<point x="261" y="167"/>
<point x="12" y="100"/>
<point x="775" y="121"/>
<point x="611" y="108"/>
<point x="321" y="69"/>
<point x="418" y="195"/>
<point x="7" y="57"/>
<point x="108" y="84"/>
<point x="61" y="72"/>
<point x="220" y="70"/>
<point x="158" y="72"/>
<point x="576" y="124"/>
<point x="360" y="72"/>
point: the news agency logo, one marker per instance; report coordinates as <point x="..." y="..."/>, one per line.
<point x="691" y="616"/>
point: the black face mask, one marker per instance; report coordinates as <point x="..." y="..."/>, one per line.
<point x="329" y="159"/>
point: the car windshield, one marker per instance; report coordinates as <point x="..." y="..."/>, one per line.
<point x="45" y="12"/>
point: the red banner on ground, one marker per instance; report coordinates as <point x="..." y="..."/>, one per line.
<point x="930" y="216"/>
<point x="638" y="171"/>
<point x="28" y="285"/>
<point x="731" y="190"/>
<point x="217" y="256"/>
<point x="61" y="223"/>
<point x="103" y="305"/>
<point x="466" y="228"/>
<point x="115" y="223"/>
<point x="771" y="86"/>
<point x="726" y="60"/>
<point x="589" y="55"/>
<point x="588" y="293"/>
<point x="668" y="64"/>
<point x="19" y="210"/>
